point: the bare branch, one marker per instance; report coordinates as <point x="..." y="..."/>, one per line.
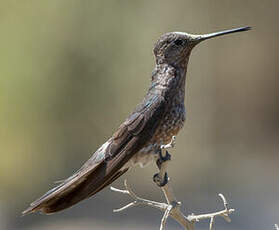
<point x="211" y="223"/>
<point x="172" y="207"/>
<point x="137" y="200"/>
<point x="165" y="217"/>
<point x="224" y="213"/>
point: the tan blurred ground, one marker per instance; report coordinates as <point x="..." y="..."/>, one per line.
<point x="71" y="71"/>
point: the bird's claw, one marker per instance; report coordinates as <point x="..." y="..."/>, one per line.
<point x="162" y="158"/>
<point x="161" y="181"/>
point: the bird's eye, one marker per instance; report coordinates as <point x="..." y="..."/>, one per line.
<point x="178" y="42"/>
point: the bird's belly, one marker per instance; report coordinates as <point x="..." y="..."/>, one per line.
<point x="171" y="123"/>
<point x="145" y="156"/>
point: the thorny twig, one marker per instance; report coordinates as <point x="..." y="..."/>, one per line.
<point x="172" y="207"/>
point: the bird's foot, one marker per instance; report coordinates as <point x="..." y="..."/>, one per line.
<point x="161" y="181"/>
<point x="163" y="154"/>
<point x="161" y="178"/>
<point x="162" y="159"/>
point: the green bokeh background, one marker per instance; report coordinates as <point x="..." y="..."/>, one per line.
<point x="70" y="73"/>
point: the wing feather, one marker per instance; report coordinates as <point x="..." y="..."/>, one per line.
<point x="107" y="162"/>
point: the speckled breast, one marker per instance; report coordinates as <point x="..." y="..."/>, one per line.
<point x="171" y="123"/>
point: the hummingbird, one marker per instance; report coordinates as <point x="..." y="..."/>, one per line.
<point x="154" y="122"/>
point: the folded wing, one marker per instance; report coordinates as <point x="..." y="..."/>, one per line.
<point x="108" y="162"/>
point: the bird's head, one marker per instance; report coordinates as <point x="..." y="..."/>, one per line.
<point x="175" y="47"/>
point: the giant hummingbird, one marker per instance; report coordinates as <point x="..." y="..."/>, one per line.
<point x="159" y="116"/>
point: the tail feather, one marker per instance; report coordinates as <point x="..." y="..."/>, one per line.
<point x="93" y="176"/>
<point x="72" y="194"/>
<point x="57" y="194"/>
<point x="82" y="192"/>
<point x="92" y="169"/>
<point x="106" y="165"/>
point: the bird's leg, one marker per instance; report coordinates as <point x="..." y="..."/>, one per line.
<point x="161" y="178"/>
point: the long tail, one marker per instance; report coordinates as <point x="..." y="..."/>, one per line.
<point x="107" y="163"/>
<point x="71" y="193"/>
<point x="94" y="175"/>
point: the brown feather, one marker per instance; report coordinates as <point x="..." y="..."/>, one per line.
<point x="108" y="162"/>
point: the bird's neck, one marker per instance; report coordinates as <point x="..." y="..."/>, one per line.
<point x="169" y="81"/>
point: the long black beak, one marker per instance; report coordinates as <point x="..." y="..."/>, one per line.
<point x="199" y="38"/>
<point x="221" y="33"/>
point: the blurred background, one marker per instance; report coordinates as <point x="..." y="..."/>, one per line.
<point x="70" y="73"/>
